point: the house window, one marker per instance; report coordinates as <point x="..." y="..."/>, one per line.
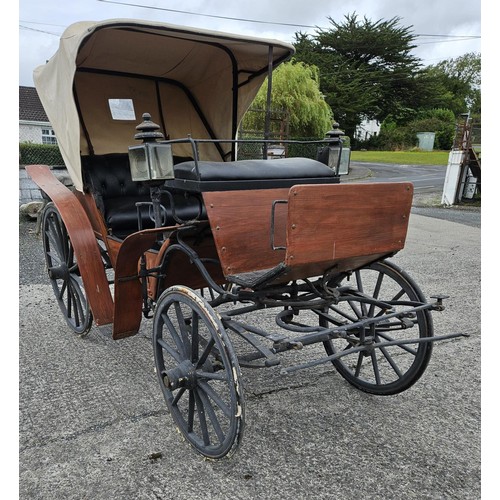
<point x="48" y="136"/>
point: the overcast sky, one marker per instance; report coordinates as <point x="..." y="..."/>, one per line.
<point x="450" y="26"/>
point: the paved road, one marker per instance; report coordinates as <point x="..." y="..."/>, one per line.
<point x="468" y="216"/>
<point x="428" y="181"/>
<point x="93" y="424"/>
<point x="425" y="178"/>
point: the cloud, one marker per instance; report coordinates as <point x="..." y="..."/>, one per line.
<point x="426" y="16"/>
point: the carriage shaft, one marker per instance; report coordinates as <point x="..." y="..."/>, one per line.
<point x="371" y="346"/>
<point x="341" y="331"/>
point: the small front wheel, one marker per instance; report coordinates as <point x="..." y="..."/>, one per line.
<point x="198" y="372"/>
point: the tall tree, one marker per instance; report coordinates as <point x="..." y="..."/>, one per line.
<point x="366" y="68"/>
<point x="460" y="80"/>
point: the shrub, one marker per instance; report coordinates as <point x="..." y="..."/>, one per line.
<point x="43" y="154"/>
<point x="396" y="136"/>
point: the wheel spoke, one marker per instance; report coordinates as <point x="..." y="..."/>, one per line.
<point x="70" y="257"/>
<point x="62" y="291"/>
<point x="55" y="252"/>
<point x="376" y="371"/>
<point x="195" y="340"/>
<point x="359" y="282"/>
<point x="357" y="311"/>
<point x="191" y="412"/>
<point x="201" y="418"/>
<point x="376" y="292"/>
<point x="77" y="303"/>
<point x="391" y="361"/>
<point x="181" y="321"/>
<point x="344" y="314"/>
<point x="178" y="396"/>
<point x="173" y="353"/>
<point x="181" y="348"/>
<point x="73" y="269"/>
<point x="69" y="302"/>
<point x="405" y="347"/>
<point x="54" y="235"/>
<point x="54" y="259"/>
<point x="211" y="415"/>
<point x="359" y="364"/>
<point x="215" y="398"/>
<point x="73" y="311"/>
<point x="206" y="353"/>
<point x="211" y="375"/>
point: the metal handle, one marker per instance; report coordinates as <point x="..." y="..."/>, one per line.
<point x="273" y="210"/>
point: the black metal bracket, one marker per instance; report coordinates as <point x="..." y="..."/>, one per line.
<point x="273" y="211"/>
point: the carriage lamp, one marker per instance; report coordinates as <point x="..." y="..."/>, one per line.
<point x="336" y="155"/>
<point x="151" y="160"/>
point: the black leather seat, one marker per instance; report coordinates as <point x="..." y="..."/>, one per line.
<point x="108" y="178"/>
<point x="247" y="170"/>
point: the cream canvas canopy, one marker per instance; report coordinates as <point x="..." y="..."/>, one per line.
<point x="105" y="75"/>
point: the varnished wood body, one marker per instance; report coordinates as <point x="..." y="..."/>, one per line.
<point x="128" y="285"/>
<point x="341" y="226"/>
<point x="318" y="228"/>
<point x="345" y="225"/>
<point x="241" y="225"/>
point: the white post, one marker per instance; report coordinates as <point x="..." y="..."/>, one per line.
<point x="453" y="177"/>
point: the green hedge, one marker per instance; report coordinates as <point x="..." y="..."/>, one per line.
<point x="39" y="154"/>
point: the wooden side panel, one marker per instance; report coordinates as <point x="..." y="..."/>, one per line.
<point x="241" y="225"/>
<point x="336" y="223"/>
<point x="128" y="287"/>
<point x="83" y="239"/>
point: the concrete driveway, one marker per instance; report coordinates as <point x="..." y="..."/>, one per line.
<point x="93" y="424"/>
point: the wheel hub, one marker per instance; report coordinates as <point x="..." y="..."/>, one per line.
<point x="59" y="272"/>
<point x="182" y="375"/>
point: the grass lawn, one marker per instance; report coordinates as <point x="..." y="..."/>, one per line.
<point x="402" y="157"/>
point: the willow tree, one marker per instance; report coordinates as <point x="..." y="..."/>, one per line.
<point x="297" y="104"/>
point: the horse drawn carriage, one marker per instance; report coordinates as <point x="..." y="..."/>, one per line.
<point x="175" y="228"/>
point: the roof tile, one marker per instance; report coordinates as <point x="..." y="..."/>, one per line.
<point x="30" y="107"/>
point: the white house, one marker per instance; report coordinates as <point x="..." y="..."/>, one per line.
<point x="367" y="129"/>
<point x="34" y="125"/>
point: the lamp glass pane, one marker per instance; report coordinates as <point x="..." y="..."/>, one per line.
<point x="138" y="163"/>
<point x="333" y="157"/>
<point x="162" y="164"/>
<point x="345" y="158"/>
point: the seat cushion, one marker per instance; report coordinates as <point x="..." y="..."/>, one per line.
<point x="121" y="212"/>
<point x="244" y="170"/>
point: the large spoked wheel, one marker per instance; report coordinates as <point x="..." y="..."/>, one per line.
<point x="381" y="370"/>
<point x="198" y="372"/>
<point x="63" y="272"/>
